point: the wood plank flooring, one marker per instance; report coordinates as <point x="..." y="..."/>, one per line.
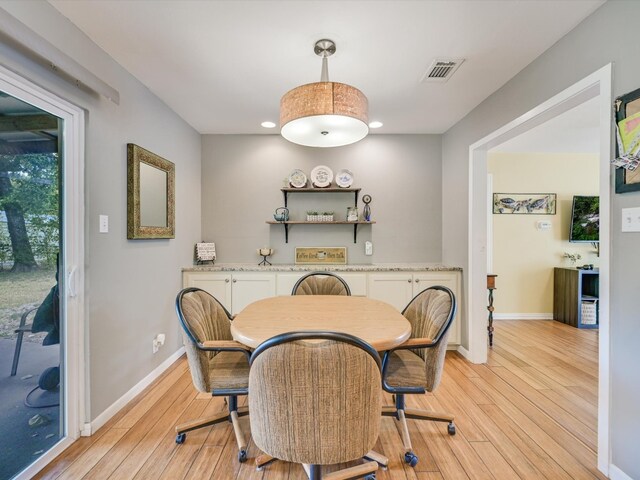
<point x="529" y="413"/>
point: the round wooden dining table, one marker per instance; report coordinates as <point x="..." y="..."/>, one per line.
<point x="375" y="322"/>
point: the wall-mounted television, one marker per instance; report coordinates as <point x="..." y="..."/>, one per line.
<point x="585" y="219"/>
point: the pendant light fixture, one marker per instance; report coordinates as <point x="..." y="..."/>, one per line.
<point x="324" y="114"/>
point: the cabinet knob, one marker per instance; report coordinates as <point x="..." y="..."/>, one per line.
<point x="234" y="280"/>
<point x="417" y="280"/>
<point x="226" y="280"/>
<point x="409" y="280"/>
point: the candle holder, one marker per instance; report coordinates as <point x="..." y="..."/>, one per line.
<point x="265" y="252"/>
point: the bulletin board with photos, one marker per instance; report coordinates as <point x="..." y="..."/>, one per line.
<point x="627" y="118"/>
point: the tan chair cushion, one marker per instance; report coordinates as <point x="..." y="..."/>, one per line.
<point x="208" y="321"/>
<point x="315" y="403"/>
<point x="427" y="312"/>
<point x="229" y="370"/>
<point x="405" y="369"/>
<point x="321" y="285"/>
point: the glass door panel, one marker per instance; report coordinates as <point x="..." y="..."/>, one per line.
<point x="31" y="318"/>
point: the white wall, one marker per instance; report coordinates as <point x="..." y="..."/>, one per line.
<point x="130" y="285"/>
<point x="608" y="35"/>
<point x="242" y="176"/>
<point x="523" y="256"/>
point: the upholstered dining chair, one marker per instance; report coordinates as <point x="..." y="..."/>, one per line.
<point x="316" y="402"/>
<point x="415" y="367"/>
<point x="218" y="364"/>
<point x="321" y="283"/>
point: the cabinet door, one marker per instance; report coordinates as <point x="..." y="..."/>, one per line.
<point x="445" y="279"/>
<point x="394" y="288"/>
<point x="247" y="288"/>
<point x="286" y="281"/>
<point x="357" y="282"/>
<point x="217" y="284"/>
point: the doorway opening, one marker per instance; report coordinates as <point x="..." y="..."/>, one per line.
<point x="595" y="86"/>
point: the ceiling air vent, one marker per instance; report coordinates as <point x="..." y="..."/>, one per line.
<point x="441" y="69"/>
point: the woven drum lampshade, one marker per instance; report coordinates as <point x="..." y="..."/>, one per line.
<point x="324" y="114"/>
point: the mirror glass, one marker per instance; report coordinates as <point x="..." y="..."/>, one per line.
<point x="153" y="196"/>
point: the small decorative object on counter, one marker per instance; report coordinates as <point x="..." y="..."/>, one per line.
<point x="281" y="214"/>
<point x="366" y="212"/>
<point x="205" y="252"/>
<point x="352" y="214"/>
<point x="265" y="252"/>
<point x="573" y="257"/>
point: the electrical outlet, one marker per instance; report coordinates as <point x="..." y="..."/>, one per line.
<point x="158" y="342"/>
<point x="104" y="223"/>
<point x="368" y="248"/>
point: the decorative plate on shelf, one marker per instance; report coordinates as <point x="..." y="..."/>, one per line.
<point x="298" y="179"/>
<point x="321" y="176"/>
<point x="344" y="178"/>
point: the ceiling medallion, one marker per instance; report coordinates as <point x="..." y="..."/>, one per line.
<point x="324" y="114"/>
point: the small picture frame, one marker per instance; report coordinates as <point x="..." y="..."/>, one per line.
<point x="524" y="203"/>
<point x="321" y="256"/>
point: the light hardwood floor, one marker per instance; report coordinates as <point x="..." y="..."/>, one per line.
<point x="530" y="412"/>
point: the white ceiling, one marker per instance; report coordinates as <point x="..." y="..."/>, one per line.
<point x="223" y="65"/>
<point x="574" y="131"/>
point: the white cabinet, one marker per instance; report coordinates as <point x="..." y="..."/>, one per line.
<point x="247" y="288"/>
<point x="236" y="290"/>
<point x="217" y="284"/>
<point x="398" y="289"/>
<point x="393" y="288"/>
<point x="233" y="290"/>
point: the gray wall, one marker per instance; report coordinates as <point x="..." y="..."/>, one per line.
<point x="606" y="36"/>
<point x="130" y="285"/>
<point x="242" y="176"/>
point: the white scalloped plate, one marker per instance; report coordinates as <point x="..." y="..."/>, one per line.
<point x="344" y="178"/>
<point x="321" y="176"/>
<point x="298" y="179"/>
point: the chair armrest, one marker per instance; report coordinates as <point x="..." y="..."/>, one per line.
<point x="223" y="345"/>
<point x="412" y="343"/>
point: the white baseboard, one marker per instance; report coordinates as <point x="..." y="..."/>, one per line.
<point x="523" y="316"/>
<point x="464" y="352"/>
<point x="616" y="474"/>
<point x="89" y="428"/>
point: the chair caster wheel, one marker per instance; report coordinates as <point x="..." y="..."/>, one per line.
<point x="242" y="456"/>
<point x="180" y="438"/>
<point x="411" y="459"/>
<point x="451" y="429"/>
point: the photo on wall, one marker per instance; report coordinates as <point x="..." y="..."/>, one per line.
<point x="525" y="203"/>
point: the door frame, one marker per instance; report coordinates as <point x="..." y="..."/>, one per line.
<point x="598" y="84"/>
<point x="72" y="232"/>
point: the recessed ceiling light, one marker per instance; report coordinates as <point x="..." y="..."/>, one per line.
<point x="375" y="124"/>
<point x="268" y="124"/>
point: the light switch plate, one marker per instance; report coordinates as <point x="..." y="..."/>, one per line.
<point x="631" y="219"/>
<point x="104" y="223"/>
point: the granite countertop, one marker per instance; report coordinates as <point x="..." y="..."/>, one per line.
<point x="380" y="267"/>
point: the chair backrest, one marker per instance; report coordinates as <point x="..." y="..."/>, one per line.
<point x="203" y="318"/>
<point x="431" y="313"/>
<point x="321" y="283"/>
<point x="315" y="402"/>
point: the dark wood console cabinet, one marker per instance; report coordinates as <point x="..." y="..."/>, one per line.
<point x="571" y="288"/>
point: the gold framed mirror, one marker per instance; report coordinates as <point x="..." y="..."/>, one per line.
<point x="150" y="195"/>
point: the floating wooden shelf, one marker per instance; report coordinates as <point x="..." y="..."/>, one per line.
<point x="302" y="222"/>
<point x="355" y="191"/>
